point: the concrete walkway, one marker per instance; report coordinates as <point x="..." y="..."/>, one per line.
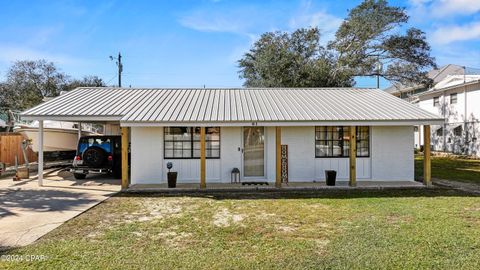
<point x="28" y="212"/>
<point x="463" y="186"/>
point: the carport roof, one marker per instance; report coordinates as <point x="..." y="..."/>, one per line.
<point x="262" y="106"/>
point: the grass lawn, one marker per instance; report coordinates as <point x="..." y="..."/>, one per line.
<point x="463" y="170"/>
<point x="434" y="228"/>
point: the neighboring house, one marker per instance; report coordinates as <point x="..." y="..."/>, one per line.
<point x="436" y="75"/>
<point x="457" y="99"/>
<point x="245" y="128"/>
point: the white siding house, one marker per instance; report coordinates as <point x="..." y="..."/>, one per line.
<point x="245" y="128"/>
<point x="388" y="161"/>
<point x="457" y="100"/>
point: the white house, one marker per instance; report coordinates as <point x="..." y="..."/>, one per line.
<point x="456" y="98"/>
<point x="409" y="93"/>
<point x="208" y="132"/>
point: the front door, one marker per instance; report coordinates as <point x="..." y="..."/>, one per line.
<point x="254" y="152"/>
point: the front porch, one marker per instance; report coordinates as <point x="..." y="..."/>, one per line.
<point x="344" y="185"/>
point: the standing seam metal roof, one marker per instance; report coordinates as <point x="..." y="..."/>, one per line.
<point x="232" y="105"/>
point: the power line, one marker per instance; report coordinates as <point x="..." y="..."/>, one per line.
<point x="111" y="79"/>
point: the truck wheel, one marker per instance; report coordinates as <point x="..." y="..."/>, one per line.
<point x="79" y="176"/>
<point x="95" y="157"/>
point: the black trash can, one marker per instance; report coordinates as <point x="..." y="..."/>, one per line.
<point x="330" y="177"/>
<point x="172" y="179"/>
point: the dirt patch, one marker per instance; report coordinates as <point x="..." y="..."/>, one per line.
<point x="286" y="229"/>
<point x="224" y="218"/>
<point x="174" y="239"/>
<point x="321" y="245"/>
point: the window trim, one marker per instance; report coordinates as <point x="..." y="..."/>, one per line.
<point x="356" y="133"/>
<point x="192" y="130"/>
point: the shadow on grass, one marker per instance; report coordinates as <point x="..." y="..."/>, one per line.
<point x="308" y="194"/>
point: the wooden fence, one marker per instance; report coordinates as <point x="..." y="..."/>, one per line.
<point x="11" y="146"/>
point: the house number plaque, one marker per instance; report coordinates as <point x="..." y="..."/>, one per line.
<point x="284" y="163"/>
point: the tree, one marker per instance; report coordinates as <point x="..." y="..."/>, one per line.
<point x="369" y="36"/>
<point x="87" y="81"/>
<point x="280" y="59"/>
<point x="29" y="82"/>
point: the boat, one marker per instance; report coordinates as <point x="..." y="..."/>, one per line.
<point x="57" y="136"/>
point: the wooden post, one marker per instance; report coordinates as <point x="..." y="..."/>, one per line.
<point x="40" y="153"/>
<point x="79" y="130"/>
<point x="203" y="161"/>
<point x="427" y="169"/>
<point x="125" y="157"/>
<point x="353" y="157"/>
<point x="278" y="154"/>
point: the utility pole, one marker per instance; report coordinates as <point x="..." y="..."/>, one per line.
<point x="379" y="68"/>
<point x="120" y="68"/>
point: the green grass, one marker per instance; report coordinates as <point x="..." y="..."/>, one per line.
<point x="411" y="229"/>
<point x="463" y="170"/>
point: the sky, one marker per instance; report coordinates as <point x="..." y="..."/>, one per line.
<point x="198" y="43"/>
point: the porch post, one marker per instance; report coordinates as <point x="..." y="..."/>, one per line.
<point x="203" y="163"/>
<point x="124" y="131"/>
<point x="40" y="153"/>
<point x="79" y="130"/>
<point x="427" y="169"/>
<point x="278" y="157"/>
<point x="353" y="157"/>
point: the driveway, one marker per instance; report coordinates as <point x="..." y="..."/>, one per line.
<point x="28" y="212"/>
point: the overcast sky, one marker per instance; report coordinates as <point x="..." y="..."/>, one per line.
<point x="196" y="43"/>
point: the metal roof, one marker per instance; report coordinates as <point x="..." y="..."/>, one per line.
<point x="154" y="105"/>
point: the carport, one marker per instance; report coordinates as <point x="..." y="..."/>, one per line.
<point x="77" y="107"/>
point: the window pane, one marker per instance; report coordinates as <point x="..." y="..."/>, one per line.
<point x="337" y="148"/>
<point x="213" y="133"/>
<point x="214" y="153"/>
<point x="346" y="148"/>
<point x="187" y="153"/>
<point x="213" y="144"/>
<point x="196" y="145"/>
<point x="196" y="134"/>
<point x="178" y="153"/>
<point x="168" y="153"/>
<point x="178" y="145"/>
<point x="321" y="148"/>
<point x="169" y="145"/>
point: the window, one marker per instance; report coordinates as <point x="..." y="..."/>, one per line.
<point x="436" y="101"/>
<point x="363" y="141"/>
<point x="458" y="131"/>
<point x="184" y="142"/>
<point x="453" y="98"/>
<point x="335" y="141"/>
<point x="439" y="132"/>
